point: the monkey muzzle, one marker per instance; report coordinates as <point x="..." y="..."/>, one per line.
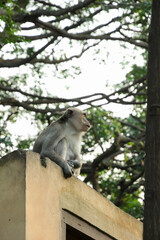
<point x="86" y="127"/>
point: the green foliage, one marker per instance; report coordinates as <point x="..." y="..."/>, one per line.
<point x="8" y="26"/>
<point x="103" y="130"/>
<point x="130" y="201"/>
<point x="143" y="11"/>
<point x="117" y="182"/>
<point x="6" y="144"/>
<point x="24" y="144"/>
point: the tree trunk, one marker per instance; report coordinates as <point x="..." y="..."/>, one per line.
<point x="152" y="163"/>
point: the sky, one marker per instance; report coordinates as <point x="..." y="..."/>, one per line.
<point x="97" y="77"/>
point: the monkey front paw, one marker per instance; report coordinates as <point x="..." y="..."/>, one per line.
<point x="43" y="162"/>
<point x="68" y="172"/>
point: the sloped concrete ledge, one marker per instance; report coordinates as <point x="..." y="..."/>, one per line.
<point x="32" y="198"/>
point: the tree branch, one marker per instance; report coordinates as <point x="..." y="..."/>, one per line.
<point x="21" y="61"/>
<point x="84" y="100"/>
<point x="33" y="15"/>
<point x="82" y="36"/>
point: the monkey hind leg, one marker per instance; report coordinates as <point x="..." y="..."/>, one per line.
<point x="74" y="163"/>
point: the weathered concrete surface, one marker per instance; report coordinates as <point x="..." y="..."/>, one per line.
<point x="32" y="199"/>
<point x="12" y="196"/>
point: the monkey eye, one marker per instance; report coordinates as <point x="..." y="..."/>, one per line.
<point x="84" y="114"/>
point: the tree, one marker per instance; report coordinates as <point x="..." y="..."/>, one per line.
<point x="152" y="163"/>
<point x="115" y="145"/>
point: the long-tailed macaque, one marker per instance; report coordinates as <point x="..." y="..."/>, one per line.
<point x="61" y="141"/>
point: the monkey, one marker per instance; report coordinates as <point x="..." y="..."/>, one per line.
<point x="61" y="141"/>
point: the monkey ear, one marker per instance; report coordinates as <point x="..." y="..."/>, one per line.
<point x="69" y="113"/>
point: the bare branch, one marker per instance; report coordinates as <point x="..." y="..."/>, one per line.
<point x="82" y="36"/>
<point x="33" y="15"/>
<point x="20" y="61"/>
<point x="90" y="100"/>
<point x="48" y="4"/>
<point x="32" y="59"/>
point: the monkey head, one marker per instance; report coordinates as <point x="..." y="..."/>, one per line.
<point x="77" y="119"/>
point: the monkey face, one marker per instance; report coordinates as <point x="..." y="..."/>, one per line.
<point x="79" y="120"/>
<point x="85" y="123"/>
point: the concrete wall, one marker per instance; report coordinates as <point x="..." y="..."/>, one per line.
<point x="12" y="196"/>
<point x="32" y="198"/>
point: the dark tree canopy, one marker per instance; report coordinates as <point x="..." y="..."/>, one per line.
<point x="33" y="35"/>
